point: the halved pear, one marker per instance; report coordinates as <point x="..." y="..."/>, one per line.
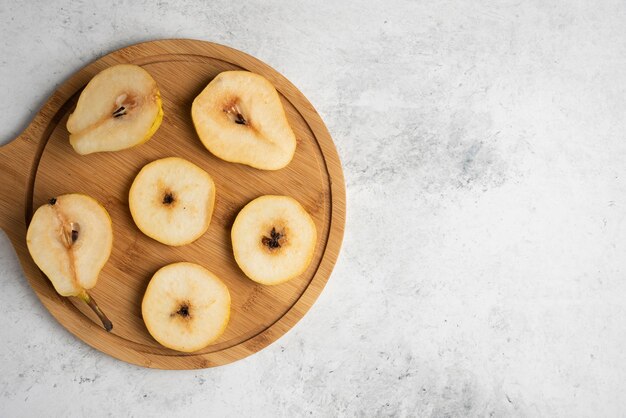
<point x="119" y="108"/>
<point x="185" y="307"/>
<point x="273" y="239"/>
<point x="239" y="118"/>
<point x="171" y="200"/>
<point x="70" y="240"/>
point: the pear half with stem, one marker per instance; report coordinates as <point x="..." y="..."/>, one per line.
<point x="119" y="108"/>
<point x="70" y="240"/>
<point x="239" y="118"/>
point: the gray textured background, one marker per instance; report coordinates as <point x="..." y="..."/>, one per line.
<point x="482" y="271"/>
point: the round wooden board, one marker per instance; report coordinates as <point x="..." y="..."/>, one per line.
<point x="41" y="164"/>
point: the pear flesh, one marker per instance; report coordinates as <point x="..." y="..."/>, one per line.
<point x="273" y="239"/>
<point x="239" y="118"/>
<point x="119" y="108"/>
<point x="70" y="239"/>
<point x="185" y="307"/>
<point x="171" y="200"/>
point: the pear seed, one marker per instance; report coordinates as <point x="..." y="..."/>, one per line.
<point x="273" y="241"/>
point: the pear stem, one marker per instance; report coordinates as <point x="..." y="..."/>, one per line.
<point x="94" y="306"/>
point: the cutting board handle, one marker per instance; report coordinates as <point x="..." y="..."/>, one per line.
<point x="17" y="159"/>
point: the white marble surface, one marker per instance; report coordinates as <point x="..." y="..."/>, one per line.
<point x="483" y="267"/>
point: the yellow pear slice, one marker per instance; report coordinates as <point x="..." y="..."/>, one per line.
<point x="185" y="307"/>
<point x="171" y="200"/>
<point x="273" y="239"/>
<point x="239" y="118"/>
<point x="70" y="240"/>
<point x="119" y="108"/>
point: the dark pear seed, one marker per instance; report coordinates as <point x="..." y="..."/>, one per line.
<point x="168" y="199"/>
<point x="121" y="111"/>
<point x="273" y="240"/>
<point x="183" y="311"/>
<point x="240" y="120"/>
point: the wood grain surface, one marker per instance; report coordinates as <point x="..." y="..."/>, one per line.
<point x="41" y="164"/>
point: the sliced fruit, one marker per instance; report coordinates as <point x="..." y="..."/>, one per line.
<point x="185" y="307"/>
<point x="119" y="108"/>
<point x="273" y="239"/>
<point x="239" y="118"/>
<point x="171" y="201"/>
<point x="70" y="240"/>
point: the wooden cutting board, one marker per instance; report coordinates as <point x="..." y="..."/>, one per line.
<point x="40" y="164"/>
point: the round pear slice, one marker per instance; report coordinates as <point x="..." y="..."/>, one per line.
<point x="70" y="240"/>
<point x="239" y="118"/>
<point x="273" y="239"/>
<point x="171" y="200"/>
<point x="185" y="307"/>
<point x="119" y="108"/>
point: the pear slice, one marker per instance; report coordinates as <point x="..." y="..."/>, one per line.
<point x="171" y="200"/>
<point x="239" y="118"/>
<point x="185" y="307"/>
<point x="119" y="108"/>
<point x="273" y="239"/>
<point x="70" y="240"/>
